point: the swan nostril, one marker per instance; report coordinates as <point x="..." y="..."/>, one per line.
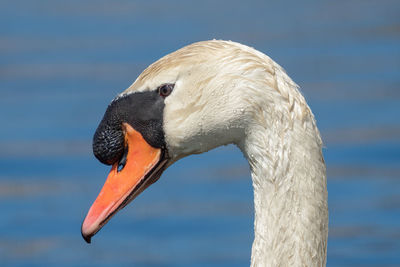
<point x="122" y="161"/>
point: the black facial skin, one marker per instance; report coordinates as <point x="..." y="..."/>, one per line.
<point x="143" y="111"/>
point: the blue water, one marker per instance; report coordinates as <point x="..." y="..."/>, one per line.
<point x="61" y="62"/>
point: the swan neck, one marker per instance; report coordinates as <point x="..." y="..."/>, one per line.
<point x="290" y="195"/>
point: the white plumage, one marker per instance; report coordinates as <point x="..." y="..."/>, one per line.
<point x="226" y="93"/>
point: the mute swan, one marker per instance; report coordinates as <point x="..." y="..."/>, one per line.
<point x="209" y="94"/>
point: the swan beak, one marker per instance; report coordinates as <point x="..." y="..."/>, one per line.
<point x="143" y="166"/>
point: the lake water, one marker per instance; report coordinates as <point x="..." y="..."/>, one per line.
<point x="61" y="62"/>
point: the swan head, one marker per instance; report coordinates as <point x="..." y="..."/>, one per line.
<point x="205" y="101"/>
<point x="188" y="102"/>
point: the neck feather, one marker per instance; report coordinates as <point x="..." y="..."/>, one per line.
<point x="290" y="195"/>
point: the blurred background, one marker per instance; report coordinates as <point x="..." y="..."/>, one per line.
<point x="61" y="62"/>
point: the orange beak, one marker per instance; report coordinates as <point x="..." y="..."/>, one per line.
<point x="144" y="165"/>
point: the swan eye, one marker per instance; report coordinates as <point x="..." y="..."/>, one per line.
<point x="166" y="89"/>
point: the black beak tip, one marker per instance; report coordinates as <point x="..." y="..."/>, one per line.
<point x="87" y="238"/>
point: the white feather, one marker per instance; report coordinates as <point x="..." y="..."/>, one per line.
<point x="226" y="93"/>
